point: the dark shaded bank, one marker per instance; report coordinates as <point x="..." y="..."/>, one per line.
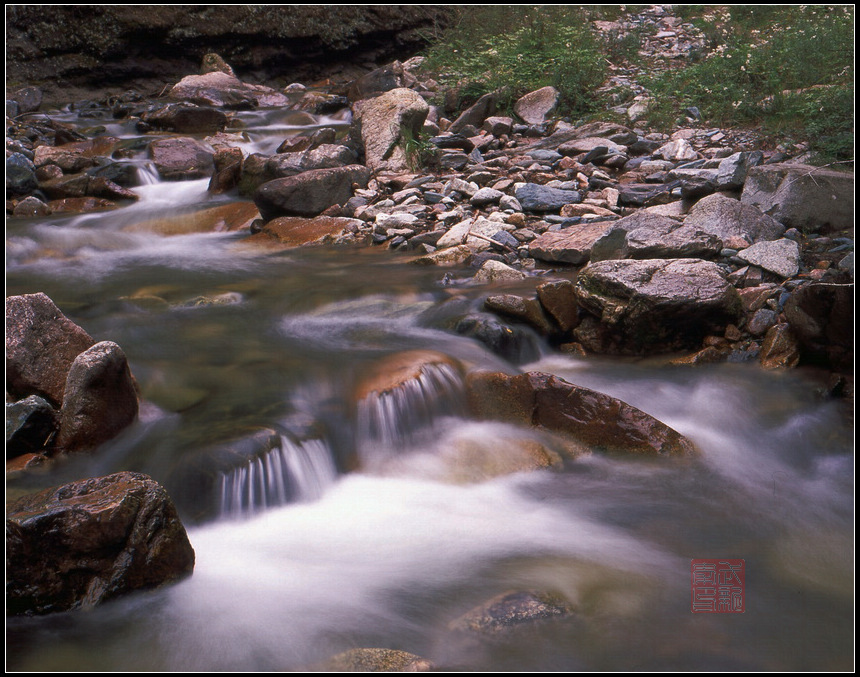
<point x="89" y="46"/>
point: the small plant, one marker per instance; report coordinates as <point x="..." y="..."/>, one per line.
<point x="419" y="151"/>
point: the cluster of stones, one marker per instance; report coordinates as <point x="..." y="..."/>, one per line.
<point x="86" y="542"/>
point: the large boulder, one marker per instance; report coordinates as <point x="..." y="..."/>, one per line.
<point x="591" y="419"/>
<point x="657" y="303"/>
<point x="41" y="345"/>
<point x="387" y="124"/>
<point x="90" y="541"/>
<point x="100" y="398"/>
<point x="644" y="235"/>
<point x="30" y="423"/>
<point x="224" y="90"/>
<point x="309" y="193"/>
<point x="181" y="159"/>
<point x="533" y="107"/>
<point x="726" y="217"/>
<point x="570" y="245"/>
<point x="811" y="199"/>
<point x="187" y="119"/>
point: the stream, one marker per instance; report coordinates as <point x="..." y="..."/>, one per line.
<point x="297" y="559"/>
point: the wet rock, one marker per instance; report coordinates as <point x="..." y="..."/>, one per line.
<point x="534" y="107"/>
<point x="228" y="169"/>
<point x="516" y="344"/>
<point x="777" y="256"/>
<point x="41" y="345"/>
<point x="375" y="660"/>
<point x="644" y="235"/>
<point x="558" y="299"/>
<point x="397" y="370"/>
<point x="30" y="424"/>
<point x="81" y="205"/>
<point x="309" y="193"/>
<point x="658" y="303"/>
<point x="181" y="159"/>
<point x="20" y="175"/>
<point x="811" y="199"/>
<point x="571" y="245"/>
<point x="725" y="217"/>
<point x="186" y="119"/>
<point x="780" y="349"/>
<point x="509" y="610"/>
<point x="598" y="421"/>
<point x="223" y="90"/>
<point x="228" y="217"/>
<point x="100" y="399"/>
<point x="452" y="256"/>
<point x="821" y="315"/>
<point x="87" y="542"/>
<point x="521" y="309"/>
<point x="31" y="207"/>
<point x="295" y="231"/>
<point x="537" y="198"/>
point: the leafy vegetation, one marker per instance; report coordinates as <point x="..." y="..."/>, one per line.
<point x="784" y="69"/>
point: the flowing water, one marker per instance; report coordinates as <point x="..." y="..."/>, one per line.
<point x="248" y="363"/>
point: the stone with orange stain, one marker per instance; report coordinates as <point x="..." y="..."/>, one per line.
<point x="393" y="371"/>
<point x="294" y="231"/>
<point x="223" y="218"/>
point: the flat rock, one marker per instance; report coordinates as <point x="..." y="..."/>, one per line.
<point x="644" y="235"/>
<point x="571" y="245"/>
<point x="309" y="193"/>
<point x="777" y="256"/>
<point x="181" y="159"/>
<point x="537" y="198"/>
<point x="726" y="217"/>
<point x="295" y="231"/>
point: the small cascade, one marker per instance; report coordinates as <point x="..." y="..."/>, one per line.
<point x="293" y="472"/>
<point x="405" y="414"/>
<point x="147" y="174"/>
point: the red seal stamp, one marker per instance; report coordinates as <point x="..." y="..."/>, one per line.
<point x="717" y="586"/>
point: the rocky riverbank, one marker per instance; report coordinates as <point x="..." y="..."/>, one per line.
<point x="604" y="238"/>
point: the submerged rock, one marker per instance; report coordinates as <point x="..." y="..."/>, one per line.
<point x="374" y="660"/>
<point x="509" y="610"/>
<point x="87" y="542"/>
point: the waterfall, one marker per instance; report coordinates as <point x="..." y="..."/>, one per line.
<point x="405" y="414"/>
<point x="292" y="472"/>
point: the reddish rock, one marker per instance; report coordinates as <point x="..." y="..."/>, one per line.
<point x="780" y="349"/>
<point x="41" y="345"/>
<point x="295" y="231"/>
<point x="90" y="541"/>
<point x="100" y="399"/>
<point x="80" y="205"/>
<point x="558" y="298"/>
<point x="181" y="158"/>
<point x="596" y="420"/>
<point x="571" y="245"/>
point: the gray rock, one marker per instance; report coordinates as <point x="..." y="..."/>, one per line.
<point x="726" y="218"/>
<point x="589" y="143"/>
<point x="732" y="171"/>
<point x="537" y="198"/>
<point x="659" y="303"/>
<point x="386" y="124"/>
<point x="20" y="175"/>
<point x="187" y="119"/>
<point x="644" y="235"/>
<point x="496" y="271"/>
<point x="811" y="199"/>
<point x="677" y="151"/>
<point x="29" y="99"/>
<point x="309" y="193"/>
<point x="762" y="320"/>
<point x="100" y="399"/>
<point x="225" y="91"/>
<point x="325" y="156"/>
<point x="535" y="106"/>
<point x="476" y="114"/>
<point x="486" y="196"/>
<point x="510" y="202"/>
<point x="777" y="256"/>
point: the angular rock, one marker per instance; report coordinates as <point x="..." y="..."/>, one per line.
<point x="521" y="309"/>
<point x="88" y="542"/>
<point x="821" y="315"/>
<point x="777" y="256"/>
<point x="725" y="217"/>
<point x="645" y="235"/>
<point x="677" y="150"/>
<point x="656" y="303"/>
<point x="732" y="171"/>
<point x="181" y="158"/>
<point x="558" y="299"/>
<point x="30" y="424"/>
<point x="309" y="193"/>
<point x="780" y="349"/>
<point x="593" y="419"/>
<point x="485" y="197"/>
<point x="514" y="343"/>
<point x="376" y="82"/>
<point x="387" y="124"/>
<point x="20" y="175"/>
<point x="325" y="156"/>
<point x="476" y="113"/>
<point x="41" y="345"/>
<point x="571" y="245"/>
<point x="496" y="271"/>
<point x="811" y="199"/>
<point x="100" y="399"/>
<point x="533" y="107"/>
<point x="537" y="198"/>
<point x="589" y="143"/>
